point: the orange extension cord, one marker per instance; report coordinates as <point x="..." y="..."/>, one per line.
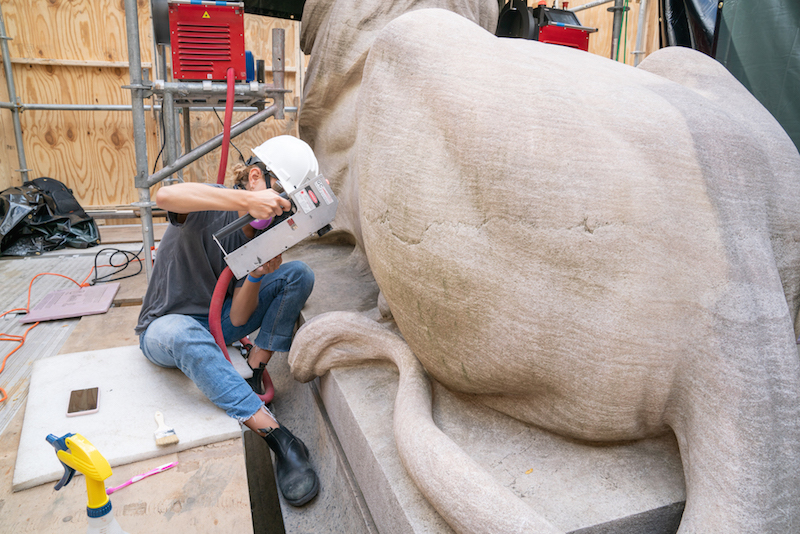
<point x="26" y="309"/>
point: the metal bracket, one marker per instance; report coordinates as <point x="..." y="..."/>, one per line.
<point x="140" y="180"/>
<point x="140" y="87"/>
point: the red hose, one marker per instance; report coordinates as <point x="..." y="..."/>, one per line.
<point x="221" y="289"/>
<point x="226" y="129"/>
<point x="215" y="310"/>
<point x="215" y="325"/>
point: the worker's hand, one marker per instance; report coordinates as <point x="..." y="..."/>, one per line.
<point x="266" y="203"/>
<point x="269" y="267"/>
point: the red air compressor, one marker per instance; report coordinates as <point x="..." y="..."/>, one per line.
<point x="206" y="38"/>
<point x="542" y="23"/>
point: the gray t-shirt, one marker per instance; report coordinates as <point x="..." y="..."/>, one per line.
<point x="188" y="263"/>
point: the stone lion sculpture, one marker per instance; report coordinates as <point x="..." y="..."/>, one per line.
<point x="606" y="252"/>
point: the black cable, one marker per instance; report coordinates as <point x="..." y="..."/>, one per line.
<point x="129" y="257"/>
<point x="241" y="156"/>
<point x="163" y="141"/>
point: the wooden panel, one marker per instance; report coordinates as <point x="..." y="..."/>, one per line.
<point x="9" y="160"/>
<point x="599" y="17"/>
<point x="106" y="330"/>
<point x="56" y="84"/>
<point x="206" y="493"/>
<point x="73" y="29"/>
<point x="128" y="233"/>
<point x="92" y="152"/>
<point x="57" y="47"/>
<point x="258" y="37"/>
<point x="75" y="62"/>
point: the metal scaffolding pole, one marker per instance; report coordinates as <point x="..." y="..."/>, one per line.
<point x="278" y="55"/>
<point x="253" y="93"/>
<point x="139" y="132"/>
<point x="639" y="52"/>
<point x="12" y="95"/>
<point x="589" y="5"/>
<point x="250" y="94"/>
<point x="117" y="107"/>
<point x="618" y="9"/>
<point x="168" y="116"/>
<point x="211" y="144"/>
<point x="187" y="131"/>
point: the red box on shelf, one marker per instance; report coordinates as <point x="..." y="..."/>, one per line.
<point x="561" y="35"/>
<point x="206" y="40"/>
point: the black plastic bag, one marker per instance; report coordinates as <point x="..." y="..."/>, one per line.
<point x="42" y="215"/>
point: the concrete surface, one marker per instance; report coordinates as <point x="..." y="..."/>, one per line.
<point x="338" y="508"/>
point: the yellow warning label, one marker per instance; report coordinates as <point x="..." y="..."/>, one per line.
<point x="206" y="15"/>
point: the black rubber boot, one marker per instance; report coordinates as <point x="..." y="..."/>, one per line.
<point x="296" y="477"/>
<point x="256" y="382"/>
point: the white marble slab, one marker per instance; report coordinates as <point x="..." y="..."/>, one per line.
<point x="131" y="390"/>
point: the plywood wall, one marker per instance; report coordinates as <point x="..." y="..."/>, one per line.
<point x="8" y="146"/>
<point x="75" y="52"/>
<point x="599" y="17"/>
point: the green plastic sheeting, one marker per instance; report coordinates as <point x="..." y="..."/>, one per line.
<point x="759" y="43"/>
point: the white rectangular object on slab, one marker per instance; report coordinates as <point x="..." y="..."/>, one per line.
<point x="131" y="390"/>
<point x="74" y="302"/>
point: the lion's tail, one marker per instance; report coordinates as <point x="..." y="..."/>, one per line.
<point x="462" y="492"/>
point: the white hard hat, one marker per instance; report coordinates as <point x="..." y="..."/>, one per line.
<point x="290" y="159"/>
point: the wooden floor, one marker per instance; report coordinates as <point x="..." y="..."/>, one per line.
<point x="128" y="233"/>
<point x="206" y="492"/>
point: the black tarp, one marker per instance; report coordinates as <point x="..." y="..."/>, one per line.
<point x="759" y="43"/>
<point x="688" y="23"/>
<point x="42" y="215"/>
<point x="282" y="9"/>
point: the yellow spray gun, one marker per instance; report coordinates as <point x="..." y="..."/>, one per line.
<point x="76" y="453"/>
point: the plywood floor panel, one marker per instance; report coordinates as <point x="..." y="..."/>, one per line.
<point x="205" y="493"/>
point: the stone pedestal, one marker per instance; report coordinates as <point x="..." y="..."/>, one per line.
<point x="581" y="488"/>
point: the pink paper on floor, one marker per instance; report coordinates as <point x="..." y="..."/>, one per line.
<point x="73" y="303"/>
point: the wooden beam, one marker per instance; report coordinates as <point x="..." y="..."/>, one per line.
<point x="74" y="62"/>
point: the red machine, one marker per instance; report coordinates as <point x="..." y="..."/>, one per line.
<point x="545" y="24"/>
<point x="561" y="27"/>
<point x="207" y="37"/>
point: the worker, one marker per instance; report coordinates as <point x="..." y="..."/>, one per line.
<point x="173" y="326"/>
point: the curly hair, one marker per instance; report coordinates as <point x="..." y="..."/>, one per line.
<point x="240" y="174"/>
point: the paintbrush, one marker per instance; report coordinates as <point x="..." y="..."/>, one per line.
<point x="163" y="434"/>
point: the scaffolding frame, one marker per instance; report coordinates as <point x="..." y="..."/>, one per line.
<point x="173" y="96"/>
<point x="12" y="96"/>
<point x="190" y="95"/>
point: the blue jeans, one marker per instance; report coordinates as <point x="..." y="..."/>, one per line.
<point x="185" y="341"/>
